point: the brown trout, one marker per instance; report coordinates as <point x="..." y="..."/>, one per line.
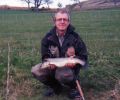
<point x="61" y="62"/>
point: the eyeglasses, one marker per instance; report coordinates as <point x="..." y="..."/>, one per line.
<point x="62" y="19"/>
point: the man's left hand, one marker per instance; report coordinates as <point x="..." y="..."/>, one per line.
<point x="70" y="65"/>
<point x="52" y="66"/>
<point x="70" y="52"/>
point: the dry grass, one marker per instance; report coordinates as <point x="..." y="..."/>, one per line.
<point x="106" y="95"/>
<point x="19" y="84"/>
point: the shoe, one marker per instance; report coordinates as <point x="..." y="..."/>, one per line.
<point x="75" y="95"/>
<point x="52" y="91"/>
<point x="49" y="92"/>
<point x="58" y="89"/>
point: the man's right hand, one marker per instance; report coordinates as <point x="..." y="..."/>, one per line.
<point x="70" y="65"/>
<point x="52" y="66"/>
<point x="70" y="52"/>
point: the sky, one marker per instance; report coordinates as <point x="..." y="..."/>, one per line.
<point x="23" y="4"/>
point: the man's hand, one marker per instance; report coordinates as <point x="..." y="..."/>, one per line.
<point x="70" y="65"/>
<point x="70" y="52"/>
<point x="52" y="66"/>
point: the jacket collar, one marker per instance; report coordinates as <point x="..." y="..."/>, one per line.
<point x="53" y="37"/>
<point x="70" y="29"/>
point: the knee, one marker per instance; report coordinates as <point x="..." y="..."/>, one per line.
<point x="35" y="69"/>
<point x="39" y="73"/>
<point x="65" y="78"/>
<point x="64" y="75"/>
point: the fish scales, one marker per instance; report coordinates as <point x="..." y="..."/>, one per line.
<point x="61" y="62"/>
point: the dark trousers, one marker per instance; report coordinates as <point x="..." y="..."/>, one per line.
<point x="57" y="77"/>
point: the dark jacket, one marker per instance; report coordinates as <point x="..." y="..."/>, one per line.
<point x="51" y="42"/>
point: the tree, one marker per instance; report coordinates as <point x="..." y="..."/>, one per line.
<point x="28" y="2"/>
<point x="38" y="3"/>
<point x="59" y="5"/>
<point x="77" y="2"/>
<point x="48" y="2"/>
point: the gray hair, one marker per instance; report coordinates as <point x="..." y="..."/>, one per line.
<point x="62" y="11"/>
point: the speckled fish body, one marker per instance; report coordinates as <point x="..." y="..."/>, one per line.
<point x="61" y="62"/>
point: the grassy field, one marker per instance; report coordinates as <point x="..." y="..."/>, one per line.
<point x="23" y="30"/>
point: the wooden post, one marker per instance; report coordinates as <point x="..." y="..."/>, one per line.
<point x="80" y="90"/>
<point x="8" y="73"/>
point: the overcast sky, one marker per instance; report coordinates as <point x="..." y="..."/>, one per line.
<point x="20" y="3"/>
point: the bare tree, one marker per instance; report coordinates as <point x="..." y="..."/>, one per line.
<point x="28" y="2"/>
<point x="38" y="3"/>
<point x="77" y="2"/>
<point x="48" y="2"/>
<point x="59" y="5"/>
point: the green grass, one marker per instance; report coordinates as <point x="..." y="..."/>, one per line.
<point x="100" y="29"/>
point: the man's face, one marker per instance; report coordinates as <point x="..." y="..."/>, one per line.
<point x="61" y="21"/>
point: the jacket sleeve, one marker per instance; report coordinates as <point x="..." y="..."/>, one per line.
<point x="45" y="53"/>
<point x="81" y="51"/>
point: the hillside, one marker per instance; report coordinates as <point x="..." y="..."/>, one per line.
<point x="6" y="7"/>
<point x="97" y="4"/>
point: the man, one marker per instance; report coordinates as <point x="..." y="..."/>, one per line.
<point x="61" y="41"/>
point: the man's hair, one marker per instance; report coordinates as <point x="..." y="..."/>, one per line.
<point x="62" y="11"/>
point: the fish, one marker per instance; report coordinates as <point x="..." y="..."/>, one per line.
<point x="61" y="62"/>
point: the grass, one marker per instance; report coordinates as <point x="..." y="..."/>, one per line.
<point x="24" y="30"/>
